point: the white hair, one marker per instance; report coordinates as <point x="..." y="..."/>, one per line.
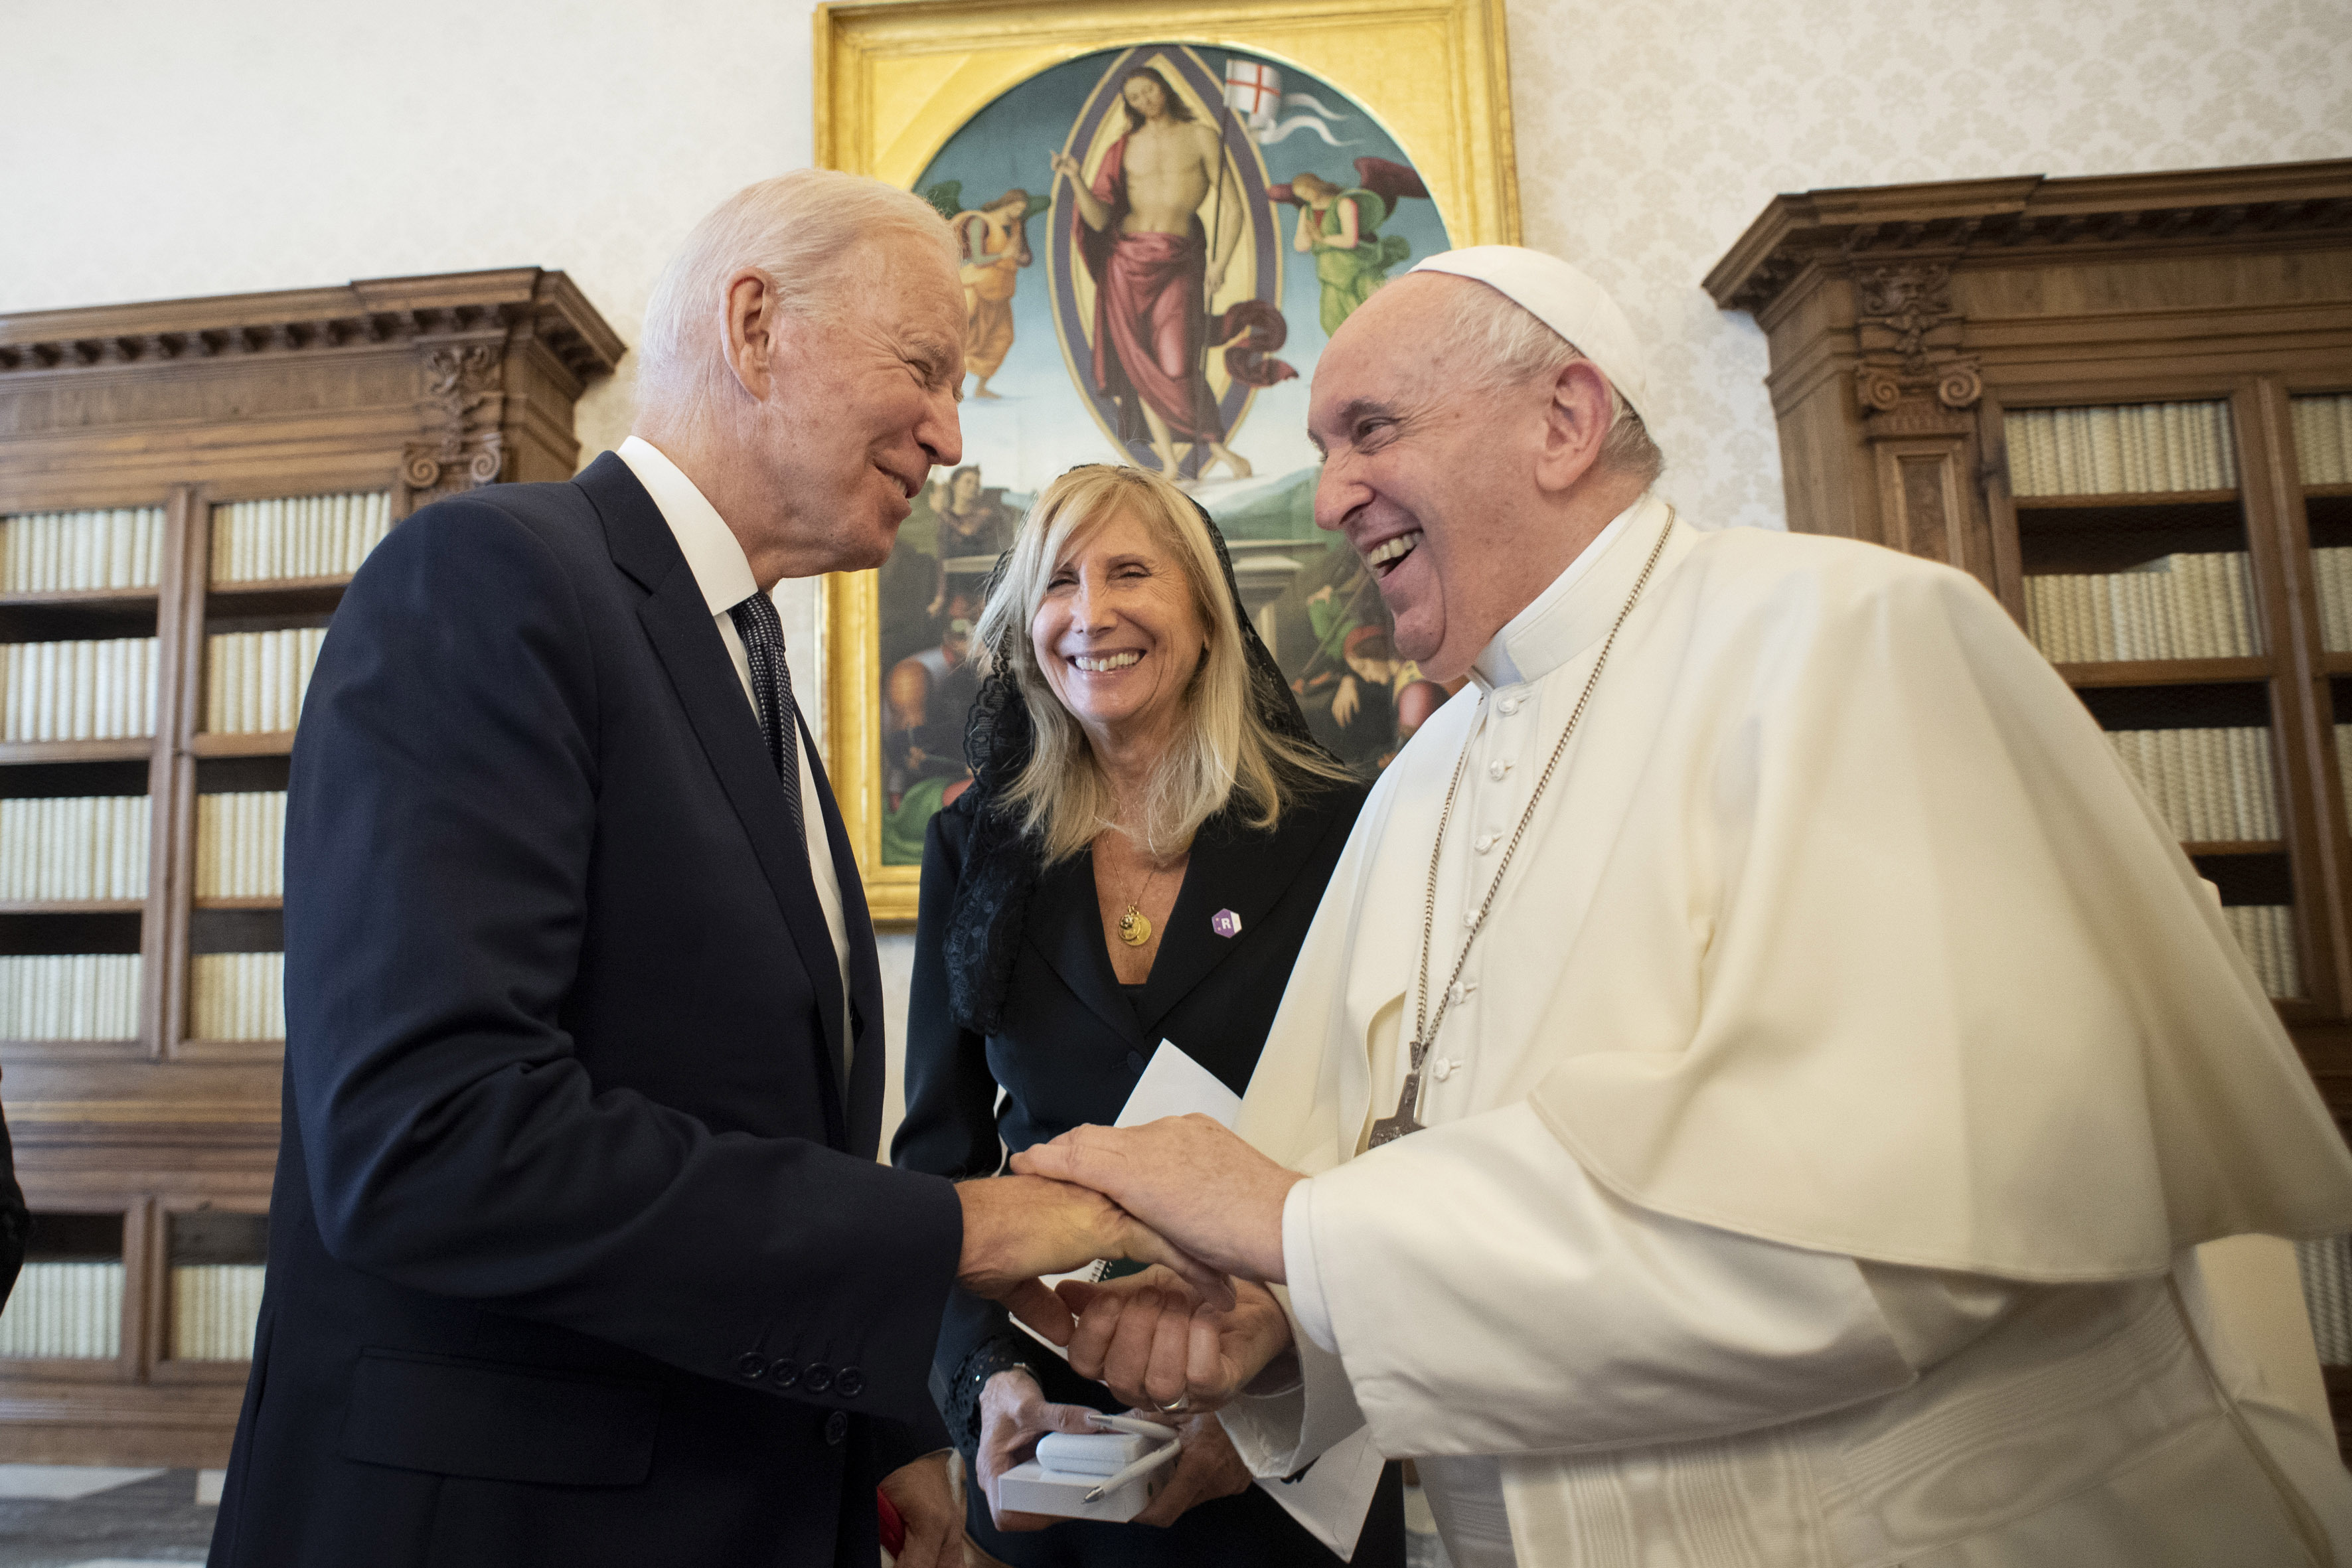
<point x="1506" y="346"/>
<point x="798" y="231"/>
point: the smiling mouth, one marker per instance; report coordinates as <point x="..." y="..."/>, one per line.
<point x="906" y="488"/>
<point x="1106" y="663"/>
<point x="1382" y="557"/>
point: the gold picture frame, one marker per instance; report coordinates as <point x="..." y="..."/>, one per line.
<point x="896" y="79"/>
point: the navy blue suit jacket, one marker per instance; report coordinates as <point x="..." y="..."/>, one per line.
<point x="579" y="1252"/>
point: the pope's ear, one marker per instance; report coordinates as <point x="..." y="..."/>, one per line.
<point x="748" y="322"/>
<point x="1575" y="424"/>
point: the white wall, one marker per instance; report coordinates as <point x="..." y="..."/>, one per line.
<point x="152" y="150"/>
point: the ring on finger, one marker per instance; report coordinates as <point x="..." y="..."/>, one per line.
<point x="1184" y="1403"/>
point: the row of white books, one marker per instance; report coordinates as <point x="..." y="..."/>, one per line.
<point x="2213" y="785"/>
<point x="2327" y="1268"/>
<point x="2267" y="933"/>
<point x="254" y="681"/>
<point x="69" y="848"/>
<point x="78" y="690"/>
<point x="214" y="1307"/>
<point x="64" y="1310"/>
<point x="2323" y="438"/>
<point x="70" y="996"/>
<point x="241" y="845"/>
<point x="236" y="996"/>
<point x="2332" y="572"/>
<point x="300" y="536"/>
<point x="51" y="552"/>
<point x="2180" y="606"/>
<point x="2135" y="449"/>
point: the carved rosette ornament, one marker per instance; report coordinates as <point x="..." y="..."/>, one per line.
<point x="464" y="384"/>
<point x="1910" y="384"/>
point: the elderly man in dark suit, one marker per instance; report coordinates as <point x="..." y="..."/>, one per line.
<point x="581" y="1255"/>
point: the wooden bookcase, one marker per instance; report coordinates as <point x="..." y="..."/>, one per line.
<point x="158" y="1149"/>
<point x="1923" y="340"/>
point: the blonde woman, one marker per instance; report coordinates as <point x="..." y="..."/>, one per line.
<point x="1147" y="838"/>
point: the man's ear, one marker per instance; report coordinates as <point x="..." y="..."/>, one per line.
<point x="750" y="308"/>
<point x="1575" y="424"/>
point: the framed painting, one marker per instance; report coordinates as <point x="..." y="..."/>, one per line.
<point x="1164" y="212"/>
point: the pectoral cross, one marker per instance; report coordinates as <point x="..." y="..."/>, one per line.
<point x="1388" y="1129"/>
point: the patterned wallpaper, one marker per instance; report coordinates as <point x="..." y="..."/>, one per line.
<point x="1650" y="137"/>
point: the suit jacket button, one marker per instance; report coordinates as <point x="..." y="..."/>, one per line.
<point x="751" y="1364"/>
<point x="1135" y="1062"/>
<point x="849" y="1383"/>
<point x="836" y="1428"/>
<point x="817" y="1377"/>
<point x="784" y="1374"/>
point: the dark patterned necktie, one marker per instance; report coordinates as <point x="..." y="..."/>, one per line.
<point x="771" y="681"/>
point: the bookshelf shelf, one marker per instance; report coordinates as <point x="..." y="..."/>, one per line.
<point x="256" y="744"/>
<point x="127" y="599"/>
<point x="2102" y="501"/>
<point x="2234" y="847"/>
<point x="13" y="752"/>
<point x="2167" y="671"/>
<point x="254" y="528"/>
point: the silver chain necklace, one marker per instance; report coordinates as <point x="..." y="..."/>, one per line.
<point x="1388" y="1129"/>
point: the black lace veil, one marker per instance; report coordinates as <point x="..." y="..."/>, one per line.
<point x="1001" y="864"/>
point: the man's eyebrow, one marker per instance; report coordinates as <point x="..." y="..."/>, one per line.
<point x="1355" y="408"/>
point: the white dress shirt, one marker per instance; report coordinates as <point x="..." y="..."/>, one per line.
<point x="724" y="574"/>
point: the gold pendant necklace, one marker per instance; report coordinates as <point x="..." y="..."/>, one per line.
<point x="1388" y="1129"/>
<point x="1135" y="926"/>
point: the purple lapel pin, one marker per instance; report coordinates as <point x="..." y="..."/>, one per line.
<point x="1224" y="922"/>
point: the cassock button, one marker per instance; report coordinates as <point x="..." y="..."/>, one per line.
<point x="817" y="1377"/>
<point x="836" y="1428"/>
<point x="784" y="1374"/>
<point x="1510" y="705"/>
<point x="1135" y="1062"/>
<point x="849" y="1383"/>
<point x="1485" y="842"/>
<point x="1497" y="770"/>
<point x="752" y="1366"/>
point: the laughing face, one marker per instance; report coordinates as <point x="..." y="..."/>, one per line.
<point x="869" y="406"/>
<point x="1424" y="473"/>
<point x="1118" y="634"/>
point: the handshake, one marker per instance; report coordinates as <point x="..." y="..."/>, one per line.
<point x="1178" y="1339"/>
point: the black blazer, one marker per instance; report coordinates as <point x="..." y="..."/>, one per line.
<point x="1070" y="1050"/>
<point x="579" y="1253"/>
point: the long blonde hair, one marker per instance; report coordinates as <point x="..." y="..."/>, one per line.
<point x="1224" y="751"/>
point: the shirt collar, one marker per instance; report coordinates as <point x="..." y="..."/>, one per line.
<point x="1561" y="621"/>
<point x="712" y="551"/>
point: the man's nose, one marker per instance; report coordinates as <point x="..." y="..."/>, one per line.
<point x="1337" y="494"/>
<point x="941" y="431"/>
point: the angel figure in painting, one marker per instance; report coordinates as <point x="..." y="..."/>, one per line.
<point x="995" y="243"/>
<point x="1340" y="228"/>
<point x="1155" y="269"/>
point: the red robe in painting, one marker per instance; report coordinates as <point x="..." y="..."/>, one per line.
<point x="1150" y="316"/>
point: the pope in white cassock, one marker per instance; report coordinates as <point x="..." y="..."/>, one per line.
<point x="1762" y="1074"/>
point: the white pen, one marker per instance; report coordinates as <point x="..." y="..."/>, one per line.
<point x="1134" y="1425"/>
<point x="1142" y="1467"/>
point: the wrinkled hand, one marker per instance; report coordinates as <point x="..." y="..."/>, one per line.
<point x="1197" y="1185"/>
<point x="1018" y="1227"/>
<point x="1152" y="1339"/>
<point x="925" y="1503"/>
<point x="1014" y="1413"/>
<point x="1208" y="1467"/>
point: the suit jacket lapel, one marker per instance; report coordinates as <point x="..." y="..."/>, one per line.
<point x="1232" y="868"/>
<point x="686" y="639"/>
<point x="868" y="1058"/>
<point x="1065" y="927"/>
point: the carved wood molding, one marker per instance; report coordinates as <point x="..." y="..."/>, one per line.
<point x="463" y="383"/>
<point x="1966" y="220"/>
<point x="516" y="304"/>
<point x="1913" y="380"/>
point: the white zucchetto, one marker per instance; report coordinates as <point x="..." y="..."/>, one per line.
<point x="1563" y="298"/>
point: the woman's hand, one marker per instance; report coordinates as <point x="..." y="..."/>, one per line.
<point x="1014" y="1413"/>
<point x="1157" y="1346"/>
<point x="1208" y="1467"/>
